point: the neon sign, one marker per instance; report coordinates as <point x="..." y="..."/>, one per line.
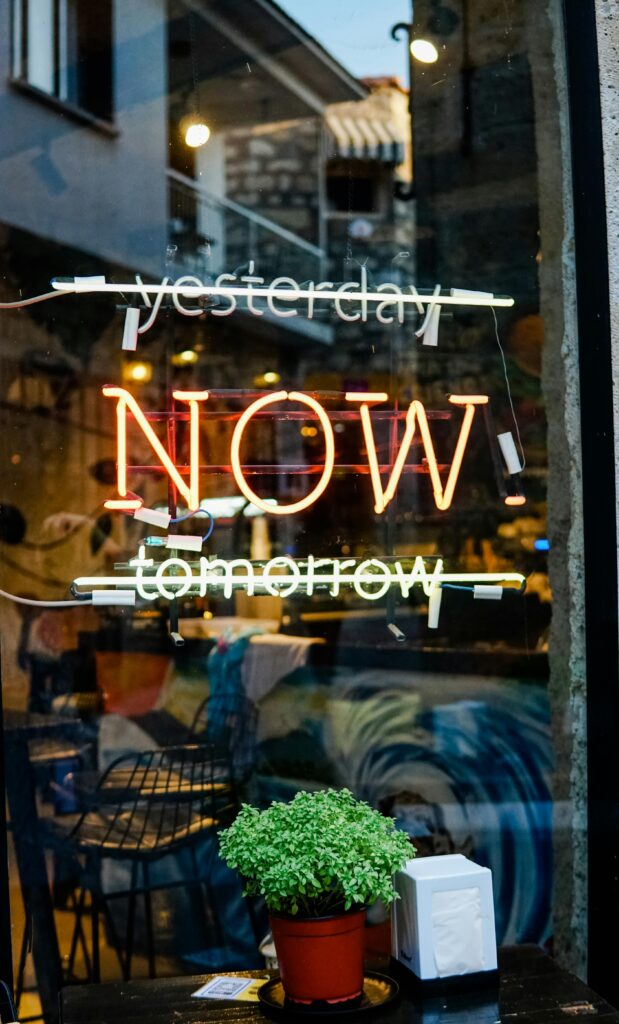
<point x="416" y="418"/>
<point x="351" y="301"/>
<point x="283" y="576"/>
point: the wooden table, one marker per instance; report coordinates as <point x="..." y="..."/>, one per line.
<point x="533" y="990"/>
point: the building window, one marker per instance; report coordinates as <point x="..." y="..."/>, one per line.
<point x="64" y="48"/>
<point x="353" y="187"/>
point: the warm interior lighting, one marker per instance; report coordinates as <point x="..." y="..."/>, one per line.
<point x="138" y="372"/>
<point x="309" y="431"/>
<point x="237" y="437"/>
<point x="197" y="134"/>
<point x="424" y="51"/>
<point x="515" y="499"/>
<point x="185" y="358"/>
<point x="269" y="377"/>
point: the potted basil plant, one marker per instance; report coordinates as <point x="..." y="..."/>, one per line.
<point x="318" y="861"/>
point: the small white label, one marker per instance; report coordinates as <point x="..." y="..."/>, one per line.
<point x="184" y="542"/>
<point x="152" y="517"/>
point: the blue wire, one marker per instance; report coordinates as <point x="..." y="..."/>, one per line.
<point x="454" y="586"/>
<point x="211" y="527"/>
<point x="181" y="519"/>
<point x="189" y="515"/>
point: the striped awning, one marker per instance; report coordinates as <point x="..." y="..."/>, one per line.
<point x="364" y="138"/>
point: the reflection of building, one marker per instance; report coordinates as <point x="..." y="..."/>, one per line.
<point x="96" y="178"/>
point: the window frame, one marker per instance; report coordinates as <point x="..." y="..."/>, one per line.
<point x="19" y="67"/>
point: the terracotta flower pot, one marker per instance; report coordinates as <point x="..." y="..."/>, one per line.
<point x="320" y="958"/>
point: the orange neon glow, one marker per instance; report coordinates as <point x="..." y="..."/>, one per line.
<point x="366" y="396"/>
<point x="237" y="437"/>
<point x="128" y="505"/>
<point x="193" y="398"/>
<point x="468" y="399"/>
<point x="417" y="413"/>
<point x="515" y="499"/>
<point x="126" y="401"/>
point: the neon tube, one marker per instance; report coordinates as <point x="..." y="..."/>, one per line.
<point x="193" y="291"/>
<point x="237" y="437"/>
<point x="416" y="413"/>
<point x="126" y="401"/>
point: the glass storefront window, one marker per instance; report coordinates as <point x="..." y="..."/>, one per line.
<point x="302" y="391"/>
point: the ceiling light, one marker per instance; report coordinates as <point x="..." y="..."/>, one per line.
<point x="424" y="51"/>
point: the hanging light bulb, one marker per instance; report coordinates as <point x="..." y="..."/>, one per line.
<point x="197" y="133"/>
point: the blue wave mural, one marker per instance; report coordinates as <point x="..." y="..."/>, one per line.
<point x="463" y="763"/>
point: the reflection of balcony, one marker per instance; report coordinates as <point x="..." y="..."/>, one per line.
<point x="215" y="235"/>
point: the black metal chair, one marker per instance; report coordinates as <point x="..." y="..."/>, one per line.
<point x="229" y="723"/>
<point x="146" y="806"/>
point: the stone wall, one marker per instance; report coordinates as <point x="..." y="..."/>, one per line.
<point x="607" y="13"/>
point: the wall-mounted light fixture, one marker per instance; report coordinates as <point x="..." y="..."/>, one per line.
<point x="424" y="51"/>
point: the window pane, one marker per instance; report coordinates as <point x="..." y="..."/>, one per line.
<point x="40" y="47"/>
<point x="381" y="335"/>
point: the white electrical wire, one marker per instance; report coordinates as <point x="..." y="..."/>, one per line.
<point x="34" y="299"/>
<point x="45" y="604"/>
<point x="509" y="390"/>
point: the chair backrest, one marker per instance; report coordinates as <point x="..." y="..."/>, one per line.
<point x="155" y="800"/>
<point x="228" y="722"/>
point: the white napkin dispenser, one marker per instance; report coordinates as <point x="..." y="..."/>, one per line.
<point x="443" y="923"/>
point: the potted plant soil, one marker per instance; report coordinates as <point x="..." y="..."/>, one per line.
<point x="318" y="861"/>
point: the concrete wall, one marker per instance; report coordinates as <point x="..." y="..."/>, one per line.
<point x="607" y="14"/>
<point x="52" y="165"/>
<point x="561" y="390"/>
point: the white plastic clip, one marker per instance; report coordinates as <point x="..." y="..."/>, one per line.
<point x="111" y="597"/>
<point x="153" y="517"/>
<point x="430" y="335"/>
<point x="508" y="449"/>
<point x="87" y="284"/>
<point x="429" y="328"/>
<point x="487" y="593"/>
<point x="434" y="607"/>
<point x="130" y="331"/>
<point x="463" y="293"/>
<point x="184" y="542"/>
